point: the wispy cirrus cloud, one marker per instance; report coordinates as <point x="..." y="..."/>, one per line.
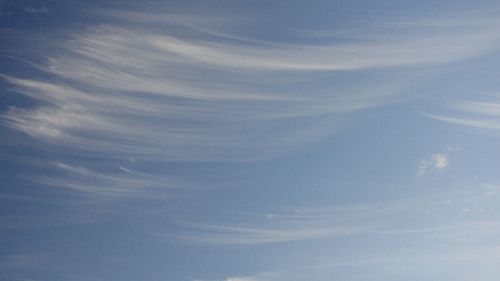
<point x="216" y="234"/>
<point x="264" y="276"/>
<point x="478" y="114"/>
<point x="241" y="279"/>
<point x="430" y="215"/>
<point x="296" y="225"/>
<point x="122" y="182"/>
<point x="119" y="96"/>
<point x="141" y="92"/>
<point x="136" y="86"/>
<point x="234" y="234"/>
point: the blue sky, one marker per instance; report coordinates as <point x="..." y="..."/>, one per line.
<point x="249" y="140"/>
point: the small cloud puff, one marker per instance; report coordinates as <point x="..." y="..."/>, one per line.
<point x="437" y="161"/>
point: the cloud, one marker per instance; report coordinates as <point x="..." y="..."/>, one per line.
<point x="135" y="86"/>
<point x="35" y="10"/>
<point x="248" y="235"/>
<point x="263" y="276"/>
<point x="133" y="93"/>
<point x="436" y="161"/>
<point x="296" y="225"/>
<point x="407" y="43"/>
<point x="430" y="215"/>
<point x="441" y="161"/>
<point x="131" y="90"/>
<point x="241" y="279"/>
<point x="482" y="115"/>
<point x="112" y="184"/>
<point x="372" y="222"/>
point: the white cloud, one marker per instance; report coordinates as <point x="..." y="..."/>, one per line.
<point x="329" y="223"/>
<point x="107" y="183"/>
<point x="440" y="161"/>
<point x="127" y="90"/>
<point x="436" y="161"/>
<point x="136" y="91"/>
<point x="262" y="276"/>
<point x="114" y="91"/>
<point x="241" y="279"/>
<point x="483" y="123"/>
<point x="126" y="170"/>
<point x="296" y="225"/>
<point x="482" y="115"/>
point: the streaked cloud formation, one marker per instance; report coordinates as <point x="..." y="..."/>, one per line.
<point x="379" y="220"/>
<point x="256" y="140"/>
<point x="119" y="183"/>
<point x="128" y="90"/>
<point x="444" y="232"/>
<point x="482" y="115"/>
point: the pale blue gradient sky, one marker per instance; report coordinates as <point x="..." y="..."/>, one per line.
<point x="249" y="140"/>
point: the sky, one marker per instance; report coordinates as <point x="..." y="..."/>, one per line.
<point x="249" y="140"/>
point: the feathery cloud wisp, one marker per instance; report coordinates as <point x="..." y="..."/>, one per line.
<point x="331" y="223"/>
<point x="482" y="115"/>
<point x="127" y="90"/>
<point x="136" y="91"/>
<point x="124" y="183"/>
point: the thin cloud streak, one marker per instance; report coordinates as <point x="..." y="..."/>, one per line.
<point x="330" y="223"/>
<point x="297" y="225"/>
<point x="123" y="183"/>
<point x="231" y="235"/>
<point x="482" y="115"/>
<point x="235" y="235"/>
